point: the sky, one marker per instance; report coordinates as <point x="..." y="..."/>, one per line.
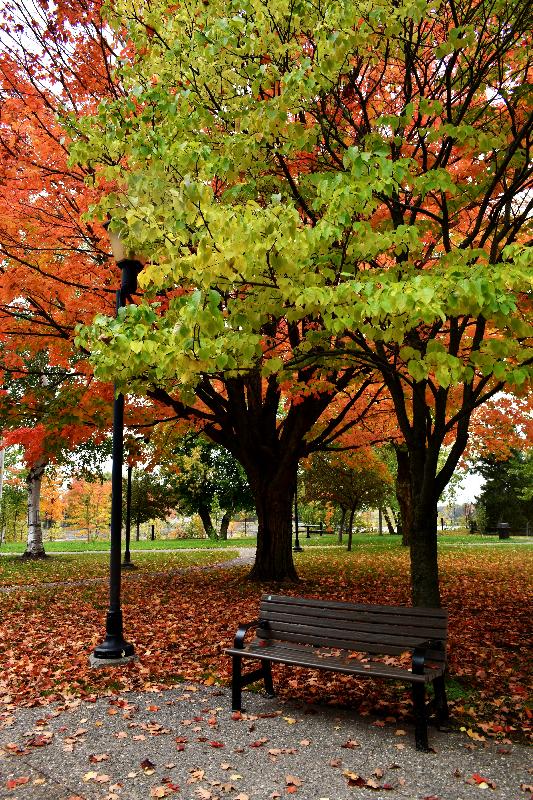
<point x="470" y="488"/>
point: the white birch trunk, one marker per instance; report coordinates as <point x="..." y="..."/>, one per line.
<point x="2" y="456"/>
<point x="34" y="546"/>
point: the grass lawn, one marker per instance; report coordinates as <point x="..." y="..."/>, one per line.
<point x="385" y="542"/>
<point x="180" y="624"/>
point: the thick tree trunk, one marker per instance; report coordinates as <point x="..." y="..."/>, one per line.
<point x="34" y="546"/>
<point x="273" y="560"/>
<point x="424" y="557"/>
<point x="404" y="493"/>
<point x="423" y="466"/>
<point x="205" y="516"/>
<point x="224" y="526"/>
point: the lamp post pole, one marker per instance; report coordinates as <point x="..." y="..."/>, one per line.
<point x="115" y="647"/>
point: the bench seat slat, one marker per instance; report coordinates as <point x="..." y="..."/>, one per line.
<point x="345" y="627"/>
<point x="341" y="606"/>
<point x="364" y="615"/>
<point x="307" y="658"/>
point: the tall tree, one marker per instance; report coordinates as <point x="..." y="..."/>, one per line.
<point x="53" y="271"/>
<point x="57" y="56"/>
<point x="314" y="187"/>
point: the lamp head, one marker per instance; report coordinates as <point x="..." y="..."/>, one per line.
<point x="130" y="266"/>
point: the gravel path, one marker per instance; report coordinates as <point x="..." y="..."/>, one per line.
<point x="136" y="746"/>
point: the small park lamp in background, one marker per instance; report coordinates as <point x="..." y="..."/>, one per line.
<point x="114" y="648"/>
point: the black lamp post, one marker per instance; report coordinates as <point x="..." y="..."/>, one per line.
<point x="114" y="647"/>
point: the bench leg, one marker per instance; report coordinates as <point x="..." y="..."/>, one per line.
<point x="236" y="683"/>
<point x="441" y="703"/>
<point x="421" y="724"/>
<point x="267" y="677"/>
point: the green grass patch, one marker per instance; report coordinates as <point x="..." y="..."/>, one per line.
<point x="327" y="540"/>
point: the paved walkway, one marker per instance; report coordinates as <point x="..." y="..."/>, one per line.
<point x="137" y="746"/>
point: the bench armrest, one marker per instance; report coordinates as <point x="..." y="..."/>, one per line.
<point x="242" y="630"/>
<point x="420" y="652"/>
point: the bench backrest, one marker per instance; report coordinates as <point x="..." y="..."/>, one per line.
<point x="390" y="630"/>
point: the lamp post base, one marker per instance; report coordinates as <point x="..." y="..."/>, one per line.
<point x="128" y="565"/>
<point x="96" y="663"/>
<point x="297" y="549"/>
<point x="113" y="647"/>
<point x="114" y="644"/>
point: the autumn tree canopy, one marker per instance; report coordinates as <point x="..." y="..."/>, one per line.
<point x="340" y="184"/>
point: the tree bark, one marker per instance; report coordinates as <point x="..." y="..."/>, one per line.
<point x="273" y="560"/>
<point x="404" y="493"/>
<point x="224" y="526"/>
<point x="34" y="546"/>
<point x="424" y="558"/>
<point x="423" y="467"/>
<point x="205" y="516"/>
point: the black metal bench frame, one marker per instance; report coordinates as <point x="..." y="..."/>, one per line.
<point x="294" y="630"/>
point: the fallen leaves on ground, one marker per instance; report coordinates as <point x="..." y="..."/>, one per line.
<point x="179" y="636"/>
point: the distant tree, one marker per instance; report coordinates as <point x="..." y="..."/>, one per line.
<point x="354" y="481"/>
<point x="153" y="496"/>
<point x="507" y="495"/>
<point x="88" y="505"/>
<point x="52" y="500"/>
<point x="208" y="477"/>
<point x="480" y="516"/>
<point x="13" y="511"/>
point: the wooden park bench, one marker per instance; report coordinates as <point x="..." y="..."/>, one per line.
<point x="394" y="642"/>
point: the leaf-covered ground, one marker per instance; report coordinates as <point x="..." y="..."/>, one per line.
<point x="181" y="623"/>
